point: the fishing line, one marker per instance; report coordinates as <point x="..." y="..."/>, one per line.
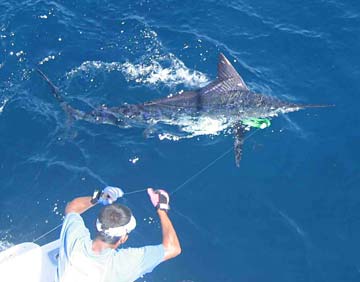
<point x="197" y="173"/>
<point x="191" y="178"/>
<point x="136" y="191"/>
<point x="209" y="165"/>
<point x="47" y="233"/>
<point x="200" y="171"/>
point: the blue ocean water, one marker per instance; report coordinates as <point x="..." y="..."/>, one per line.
<point x="291" y="212"/>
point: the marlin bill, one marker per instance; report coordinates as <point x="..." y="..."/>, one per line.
<point x="225" y="98"/>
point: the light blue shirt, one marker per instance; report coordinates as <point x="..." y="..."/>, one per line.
<point x="78" y="263"/>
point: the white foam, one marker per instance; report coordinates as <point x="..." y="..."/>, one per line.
<point x="5" y="245"/>
<point x="154" y="65"/>
<point x="150" y="73"/>
<point x="46" y="59"/>
<point x="205" y="126"/>
<point x="20" y="53"/>
<point x="154" y="72"/>
<point x="168" y="136"/>
<point x="2" y="105"/>
<point x="89" y="66"/>
<point x="195" y="127"/>
<point x="134" y="160"/>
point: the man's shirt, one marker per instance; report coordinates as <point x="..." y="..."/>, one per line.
<point x="78" y="263"/>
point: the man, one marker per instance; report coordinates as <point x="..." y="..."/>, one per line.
<point x="84" y="260"/>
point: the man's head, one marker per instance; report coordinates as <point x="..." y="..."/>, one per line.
<point x="114" y="223"/>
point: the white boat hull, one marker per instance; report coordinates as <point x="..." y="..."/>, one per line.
<point x="29" y="262"/>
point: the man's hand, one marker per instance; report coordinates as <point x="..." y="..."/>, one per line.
<point x="159" y="198"/>
<point x="110" y="195"/>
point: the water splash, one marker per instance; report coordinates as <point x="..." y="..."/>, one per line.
<point x="146" y="60"/>
<point x="3" y="104"/>
<point x="88" y="67"/>
<point x="5" y="245"/>
<point x="167" y="70"/>
<point x="134" y="160"/>
<point x="192" y="127"/>
<point x="155" y="72"/>
<point x="47" y="59"/>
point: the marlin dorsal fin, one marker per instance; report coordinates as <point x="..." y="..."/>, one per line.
<point x="227" y="72"/>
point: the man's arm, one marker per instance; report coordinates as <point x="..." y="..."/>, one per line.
<point x="160" y="200"/>
<point x="170" y="240"/>
<point x="106" y="197"/>
<point x="79" y="205"/>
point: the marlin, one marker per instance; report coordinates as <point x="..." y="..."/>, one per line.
<point x="225" y="98"/>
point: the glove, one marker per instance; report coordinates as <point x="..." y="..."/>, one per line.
<point x="159" y="198"/>
<point x="110" y="194"/>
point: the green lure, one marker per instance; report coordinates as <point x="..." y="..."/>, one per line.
<point x="257" y="122"/>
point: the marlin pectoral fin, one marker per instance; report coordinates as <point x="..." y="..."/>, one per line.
<point x="239" y="132"/>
